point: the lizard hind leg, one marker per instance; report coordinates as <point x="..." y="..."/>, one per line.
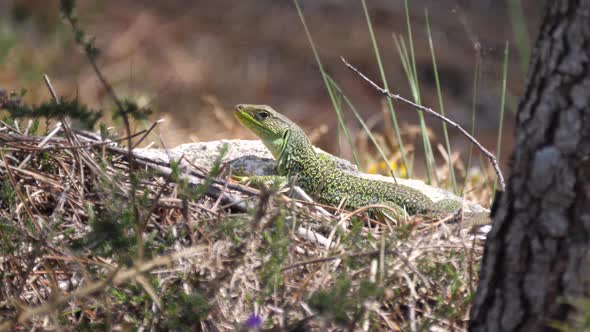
<point x="393" y="212"/>
<point x="447" y="208"/>
<point x="269" y="181"/>
<point x="448" y="205"/>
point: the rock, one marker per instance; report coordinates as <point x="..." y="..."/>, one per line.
<point x="250" y="157"/>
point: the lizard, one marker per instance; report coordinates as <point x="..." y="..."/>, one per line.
<point x="319" y="175"/>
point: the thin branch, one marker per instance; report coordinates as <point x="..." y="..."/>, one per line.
<point x="24" y="200"/>
<point x="79" y="155"/>
<point x="123" y="112"/>
<point x="41" y="144"/>
<point x="429" y="111"/>
<point x="56" y="140"/>
<point x="147" y="132"/>
<point x="66" y="127"/>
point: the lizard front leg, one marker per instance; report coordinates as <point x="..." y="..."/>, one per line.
<point x="269" y="181"/>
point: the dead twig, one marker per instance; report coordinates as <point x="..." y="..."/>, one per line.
<point x="430" y="112"/>
<point x="147" y="132"/>
<point x="24" y="201"/>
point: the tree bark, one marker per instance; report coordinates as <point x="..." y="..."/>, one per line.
<point x="536" y="263"/>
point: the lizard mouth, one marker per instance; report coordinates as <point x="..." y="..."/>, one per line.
<point x="244" y="118"/>
<point x="250" y="122"/>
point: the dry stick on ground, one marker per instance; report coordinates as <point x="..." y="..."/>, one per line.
<point x="22" y="198"/>
<point x="429" y="111"/>
<point x="68" y="133"/>
<point x="90" y="145"/>
<point x="41" y="144"/>
<point x="164" y="169"/>
<point x="79" y="155"/>
<point x="65" y="125"/>
<point x="212" y="191"/>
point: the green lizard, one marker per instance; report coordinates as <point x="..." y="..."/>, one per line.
<point x="319" y="175"/>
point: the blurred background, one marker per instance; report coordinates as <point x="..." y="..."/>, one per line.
<point x="192" y="61"/>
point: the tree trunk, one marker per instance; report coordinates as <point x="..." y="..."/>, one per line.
<point x="536" y="265"/>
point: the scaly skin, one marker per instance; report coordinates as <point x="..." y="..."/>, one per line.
<point x="319" y="175"/>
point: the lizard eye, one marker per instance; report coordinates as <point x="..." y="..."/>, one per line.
<point x="263" y="115"/>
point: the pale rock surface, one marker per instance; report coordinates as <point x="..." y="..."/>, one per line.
<point x="252" y="158"/>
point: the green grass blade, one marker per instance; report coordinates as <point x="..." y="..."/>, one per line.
<point x="441" y="105"/>
<point x="521" y="35"/>
<point x="428" y="153"/>
<point x="473" y="116"/>
<point x="337" y="109"/>
<point x="386" y="86"/>
<point x="411" y="41"/>
<point x="339" y="128"/>
<point x="362" y="122"/>
<point x="502" y="108"/>
<point x="410" y="74"/>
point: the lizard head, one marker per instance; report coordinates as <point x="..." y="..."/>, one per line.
<point x="269" y="125"/>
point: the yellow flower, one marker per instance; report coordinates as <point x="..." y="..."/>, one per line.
<point x="382" y="168"/>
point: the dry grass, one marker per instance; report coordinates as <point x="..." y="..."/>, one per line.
<point x="71" y="257"/>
